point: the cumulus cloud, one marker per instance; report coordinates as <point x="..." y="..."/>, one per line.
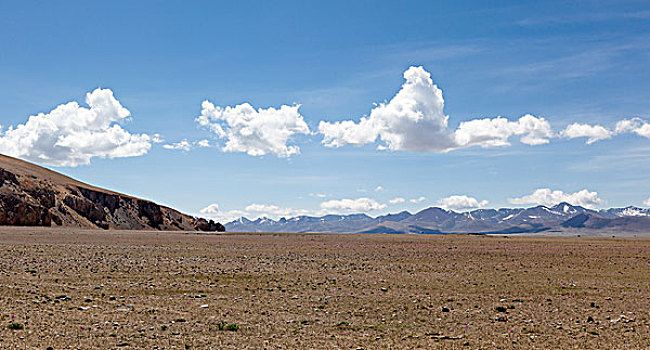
<point x="252" y="211"/>
<point x="461" y="202"/>
<point x="362" y="204"/>
<point x="262" y="207"/>
<point x="275" y="211"/>
<point x="634" y="125"/>
<point x="414" y="120"/>
<point x="647" y="202"/>
<point x="212" y="211"/>
<point x="203" y="143"/>
<point x="418" y="200"/>
<point x="181" y="146"/>
<point x="548" y="197"/>
<point x="496" y="132"/>
<point x="71" y="135"/>
<point x="379" y="188"/>
<point x="255" y="132"/>
<point x="397" y="200"/>
<point x="593" y="133"/>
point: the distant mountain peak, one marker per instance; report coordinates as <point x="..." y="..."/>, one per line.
<point x="439" y="220"/>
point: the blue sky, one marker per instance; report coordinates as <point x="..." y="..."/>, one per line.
<point x="561" y="62"/>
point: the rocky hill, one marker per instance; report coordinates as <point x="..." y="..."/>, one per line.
<point x="34" y="196"/>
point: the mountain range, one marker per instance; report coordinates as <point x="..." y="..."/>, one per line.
<point x="34" y="196"/>
<point x="561" y="218"/>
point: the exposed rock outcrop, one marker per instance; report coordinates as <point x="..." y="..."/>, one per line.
<point x="205" y="225"/>
<point x="15" y="211"/>
<point x="34" y="196"/>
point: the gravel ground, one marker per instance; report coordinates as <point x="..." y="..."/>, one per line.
<point x="82" y="289"/>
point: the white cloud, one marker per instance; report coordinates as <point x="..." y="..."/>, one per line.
<point x="593" y="133"/>
<point x="461" y="202"/>
<point x="418" y="200"/>
<point x="255" y="132"/>
<point x="397" y="200"/>
<point x="182" y="146"/>
<point x="362" y="204"/>
<point x="252" y="212"/>
<point x="71" y="135"/>
<point x="379" y="188"/>
<point x="212" y="211"/>
<point x="635" y="125"/>
<point x="496" y="132"/>
<point x="157" y="138"/>
<point x="647" y="202"/>
<point x="414" y="120"/>
<point x="274" y="211"/>
<point x="186" y="145"/>
<point x="547" y="197"/>
<point x="262" y="207"/>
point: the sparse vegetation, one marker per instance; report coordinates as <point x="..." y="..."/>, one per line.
<point x="232" y="327"/>
<point x="16" y="326"/>
<point x="223" y="326"/>
<point x="149" y="288"/>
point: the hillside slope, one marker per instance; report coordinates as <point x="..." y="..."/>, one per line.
<point x="31" y="195"/>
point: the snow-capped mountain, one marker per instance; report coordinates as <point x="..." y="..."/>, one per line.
<point x="438" y="220"/>
<point x="328" y="223"/>
<point x="627" y="211"/>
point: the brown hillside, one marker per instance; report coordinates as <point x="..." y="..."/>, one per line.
<point x="31" y="195"/>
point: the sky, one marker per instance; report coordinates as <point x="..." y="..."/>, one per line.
<point x="228" y="109"/>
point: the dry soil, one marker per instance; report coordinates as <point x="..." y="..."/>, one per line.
<point x="82" y="289"/>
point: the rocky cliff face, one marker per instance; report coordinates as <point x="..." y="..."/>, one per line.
<point x="34" y="196"/>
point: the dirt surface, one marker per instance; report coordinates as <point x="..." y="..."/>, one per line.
<point x="77" y="289"/>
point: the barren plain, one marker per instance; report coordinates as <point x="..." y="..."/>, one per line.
<point x="83" y="289"/>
